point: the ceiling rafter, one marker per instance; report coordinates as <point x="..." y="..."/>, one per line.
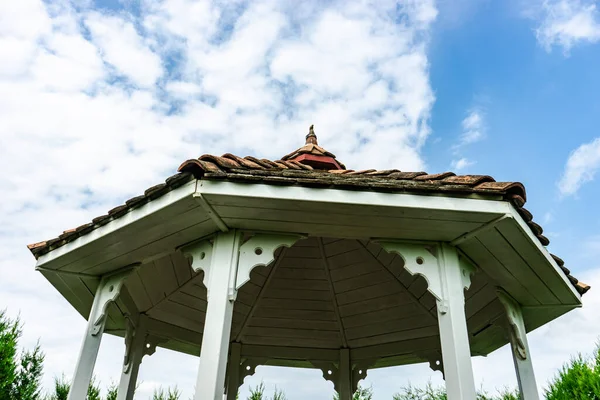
<point x="260" y="295"/>
<point x="332" y="289"/>
<point x="385" y="267"/>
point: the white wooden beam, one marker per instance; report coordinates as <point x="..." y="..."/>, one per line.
<point x="345" y="376"/>
<point x="215" y="341"/>
<point x="107" y="292"/>
<point x="519" y="347"/>
<point x="454" y="336"/>
<point x="211" y="212"/>
<point x="132" y="216"/>
<point x="447" y="278"/>
<point x="233" y="371"/>
<point x="475" y="232"/>
<point x="135" y="342"/>
<point x="546" y="254"/>
<point x="320" y="195"/>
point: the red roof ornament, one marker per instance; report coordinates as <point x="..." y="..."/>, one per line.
<point x="314" y="155"/>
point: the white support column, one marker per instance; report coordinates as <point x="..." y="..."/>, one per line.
<point x="227" y="265"/>
<point x="520" y="347"/>
<point x="136" y="346"/>
<point x="454" y="336"/>
<point x="220" y="283"/>
<point x="345" y="376"/>
<point x="233" y="370"/>
<point x="447" y="276"/>
<point x="107" y="292"/>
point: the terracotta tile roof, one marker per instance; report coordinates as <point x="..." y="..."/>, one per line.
<point x="292" y="172"/>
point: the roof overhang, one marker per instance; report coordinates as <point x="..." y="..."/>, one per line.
<point x="487" y="230"/>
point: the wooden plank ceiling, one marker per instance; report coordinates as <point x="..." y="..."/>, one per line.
<point x="321" y="293"/>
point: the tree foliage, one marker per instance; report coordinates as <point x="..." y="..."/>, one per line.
<point x="579" y="379"/>
<point x="20" y="373"/>
<point x="169" y="394"/>
<point x="429" y="392"/>
<point x="361" y="393"/>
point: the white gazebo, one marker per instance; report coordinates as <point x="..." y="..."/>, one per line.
<point x="301" y="262"/>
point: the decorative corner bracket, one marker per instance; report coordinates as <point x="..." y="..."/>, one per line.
<point x="137" y="339"/>
<point x="201" y="254"/>
<point x="435" y="360"/>
<point x="248" y="367"/>
<point x="108" y="292"/>
<point x="429" y="261"/>
<point x="260" y="250"/>
<point x="419" y="260"/>
<point x="330" y="372"/>
<point x="360" y="371"/>
<point x="516" y="325"/>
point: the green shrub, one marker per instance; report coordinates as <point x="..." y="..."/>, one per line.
<point x="169" y="394"/>
<point x="20" y="375"/>
<point x="579" y="379"/>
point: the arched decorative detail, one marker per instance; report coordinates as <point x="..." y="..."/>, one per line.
<point x="330" y="372"/>
<point x="516" y="326"/>
<point x="108" y="292"/>
<point x="151" y="343"/>
<point x="428" y="262"/>
<point x="360" y="371"/>
<point x="435" y="360"/>
<point x="419" y="260"/>
<point x="130" y="332"/>
<point x="201" y="256"/>
<point x="248" y="367"/>
<point x="260" y="250"/>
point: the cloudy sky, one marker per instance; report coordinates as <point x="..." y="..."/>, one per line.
<point x="102" y="99"/>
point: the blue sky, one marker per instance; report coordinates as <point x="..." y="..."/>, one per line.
<point x="101" y="100"/>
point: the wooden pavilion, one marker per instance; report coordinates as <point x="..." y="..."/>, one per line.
<point x="301" y="262"/>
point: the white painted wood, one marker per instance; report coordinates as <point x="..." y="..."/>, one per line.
<point x="107" y="292"/>
<point x="215" y="341"/>
<point x="454" y="337"/>
<point x="520" y="347"/>
<point x="345" y="375"/>
<point x="131" y="217"/>
<point x="575" y="297"/>
<point x="313" y="195"/>
<point x="260" y="250"/>
<point x="233" y="371"/>
<point x="135" y="343"/>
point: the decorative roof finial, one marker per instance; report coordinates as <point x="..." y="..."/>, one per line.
<point x="311" y="138"/>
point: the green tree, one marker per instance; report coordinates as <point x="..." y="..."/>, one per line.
<point x="62" y="387"/>
<point x="579" y="379"/>
<point x="20" y="374"/>
<point x="169" y="394"/>
<point x="258" y="393"/>
<point x="111" y="394"/>
<point x="360" y="394"/>
<point x="429" y="392"/>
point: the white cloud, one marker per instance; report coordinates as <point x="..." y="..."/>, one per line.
<point x="124" y="49"/>
<point x="565" y="23"/>
<point x="96" y="107"/>
<point x="473" y="128"/>
<point x="580" y="168"/>
<point x="473" y="131"/>
<point x="461" y="164"/>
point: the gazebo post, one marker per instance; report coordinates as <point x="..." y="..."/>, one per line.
<point x="233" y="370"/>
<point x="345" y="375"/>
<point x="135" y="349"/>
<point x="519" y="346"/>
<point x="447" y="277"/>
<point x="107" y="292"/>
<point x="454" y="337"/>
<point x="219" y="279"/>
